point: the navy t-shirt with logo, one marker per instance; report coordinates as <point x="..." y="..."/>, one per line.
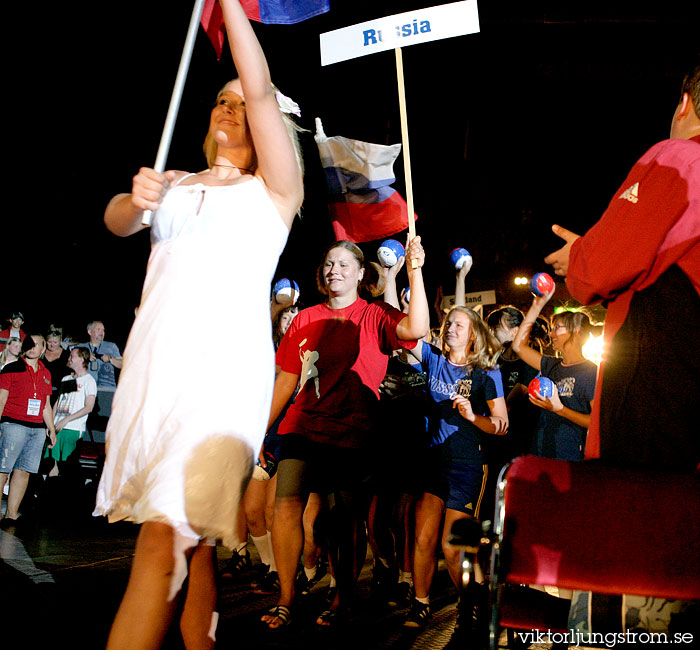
<point x="556" y="436"/>
<point x="460" y="438"/>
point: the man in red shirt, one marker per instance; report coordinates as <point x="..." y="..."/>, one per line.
<point x="642" y="260"/>
<point x="15" y="329"/>
<point x="25" y="417"/>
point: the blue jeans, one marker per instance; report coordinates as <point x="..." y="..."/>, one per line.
<point x="21" y="447"/>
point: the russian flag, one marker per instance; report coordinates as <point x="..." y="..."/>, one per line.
<point x="270" y="12"/>
<point x="284" y="12"/>
<point x="362" y="203"/>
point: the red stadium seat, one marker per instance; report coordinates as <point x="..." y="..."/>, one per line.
<point x="593" y="528"/>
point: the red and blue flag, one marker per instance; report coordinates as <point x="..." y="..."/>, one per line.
<point x="270" y="12"/>
<point x="359" y="175"/>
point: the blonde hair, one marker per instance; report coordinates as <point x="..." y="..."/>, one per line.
<point x="211" y="147"/>
<point x="485" y="349"/>
<point x="6" y="350"/>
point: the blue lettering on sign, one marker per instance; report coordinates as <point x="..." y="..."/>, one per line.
<point x="372" y="36"/>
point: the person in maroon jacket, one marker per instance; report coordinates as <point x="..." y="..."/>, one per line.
<point x="642" y="260"/>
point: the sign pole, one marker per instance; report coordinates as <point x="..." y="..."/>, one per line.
<point x="406" y="150"/>
<point x="407" y="28"/>
<point x="166" y="137"/>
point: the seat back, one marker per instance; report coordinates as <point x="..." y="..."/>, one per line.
<point x="595" y="528"/>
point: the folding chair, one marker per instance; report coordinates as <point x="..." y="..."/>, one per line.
<point x="593" y="528"/>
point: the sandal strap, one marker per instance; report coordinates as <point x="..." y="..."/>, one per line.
<point x="328" y="617"/>
<point x="282" y="613"/>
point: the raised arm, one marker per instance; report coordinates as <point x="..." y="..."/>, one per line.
<point x="417" y="322"/>
<point x="461" y="283"/>
<point x="391" y="295"/>
<point x="520" y="343"/>
<point x="277" y="164"/>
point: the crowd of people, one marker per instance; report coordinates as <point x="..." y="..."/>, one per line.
<point x="394" y="473"/>
<point x="49" y="400"/>
<point x="428" y="397"/>
<point x="375" y="431"/>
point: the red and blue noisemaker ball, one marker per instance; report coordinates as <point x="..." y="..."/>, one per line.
<point x="543" y="385"/>
<point x="541" y="283"/>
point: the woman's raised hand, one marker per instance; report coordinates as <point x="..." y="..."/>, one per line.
<point x="414" y="251"/>
<point x="540" y="301"/>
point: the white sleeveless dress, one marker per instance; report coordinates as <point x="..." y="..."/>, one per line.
<point x="190" y="412"/>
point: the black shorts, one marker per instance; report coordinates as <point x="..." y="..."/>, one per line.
<point x="459" y="484"/>
<point x="307" y="466"/>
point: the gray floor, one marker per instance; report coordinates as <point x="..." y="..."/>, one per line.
<point x="63" y="573"/>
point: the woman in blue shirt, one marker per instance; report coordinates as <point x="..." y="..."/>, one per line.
<point x="566" y="415"/>
<point x="467" y="400"/>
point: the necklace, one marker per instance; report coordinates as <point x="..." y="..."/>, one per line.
<point x="241" y="169"/>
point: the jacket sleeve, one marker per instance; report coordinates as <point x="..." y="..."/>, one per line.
<point x="620" y="251"/>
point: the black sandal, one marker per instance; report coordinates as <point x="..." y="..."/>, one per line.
<point x="330" y="618"/>
<point x="282" y="613"/>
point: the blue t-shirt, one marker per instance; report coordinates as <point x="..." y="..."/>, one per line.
<point x="461" y="439"/>
<point x="104" y="375"/>
<point x="556" y="436"/>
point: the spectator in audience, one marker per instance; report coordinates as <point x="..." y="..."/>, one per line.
<point x="104" y="356"/>
<point x="55" y="359"/>
<point x="12" y="351"/>
<point x="76" y="400"/>
<point x="104" y="359"/>
<point x="14" y="330"/>
<point x="25" y="419"/>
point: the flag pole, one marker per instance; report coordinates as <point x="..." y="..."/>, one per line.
<point x="406" y="152"/>
<point x="166" y="137"/>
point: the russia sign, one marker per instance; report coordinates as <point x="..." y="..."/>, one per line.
<point x="400" y="30"/>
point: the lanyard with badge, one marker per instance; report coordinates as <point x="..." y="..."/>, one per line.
<point x="33" y="404"/>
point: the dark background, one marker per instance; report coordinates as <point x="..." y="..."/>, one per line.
<point x="537" y="119"/>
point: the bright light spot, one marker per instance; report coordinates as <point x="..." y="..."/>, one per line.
<point x="593" y="349"/>
<point x="521" y="280"/>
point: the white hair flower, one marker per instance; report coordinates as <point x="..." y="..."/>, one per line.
<point x="287" y="105"/>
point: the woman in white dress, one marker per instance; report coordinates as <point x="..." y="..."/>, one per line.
<point x="182" y="438"/>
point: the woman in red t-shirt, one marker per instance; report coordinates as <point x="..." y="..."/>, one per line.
<point x="337" y="354"/>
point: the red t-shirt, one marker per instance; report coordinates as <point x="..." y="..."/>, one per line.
<point x="5" y="334"/>
<point x="23" y="384"/>
<point x="341" y="357"/>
